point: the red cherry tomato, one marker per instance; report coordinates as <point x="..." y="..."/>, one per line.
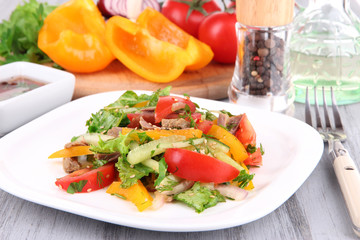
<point x="177" y="12"/>
<point x="218" y="31"/>
<point x="246" y="133"/>
<point x="198" y="167"/>
<point x="169" y="104"/>
<point x="254" y="159"/>
<point x="92" y="179"/>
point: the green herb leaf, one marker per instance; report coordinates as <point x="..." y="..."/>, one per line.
<point x="162" y="171"/>
<point x="100" y="179"/>
<point x="119" y="196"/>
<point x="143" y="137"/>
<point x="99" y="163"/>
<point x="200" y="197"/>
<point x="75" y="187"/>
<point x="243" y="179"/>
<point x="251" y="149"/>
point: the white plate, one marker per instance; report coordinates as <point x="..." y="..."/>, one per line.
<point x="292" y="150"/>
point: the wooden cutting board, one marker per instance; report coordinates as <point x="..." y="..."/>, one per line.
<point x="210" y="82"/>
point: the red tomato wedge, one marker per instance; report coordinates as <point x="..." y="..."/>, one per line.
<point x="204" y="126"/>
<point x="169" y="104"/>
<point x="246" y="133"/>
<point x="198" y="167"/>
<point x="254" y="159"/>
<point x="87" y="180"/>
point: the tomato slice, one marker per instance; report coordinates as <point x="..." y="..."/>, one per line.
<point x="254" y="159"/>
<point x="198" y="167"/>
<point x="87" y="180"/>
<point x="169" y="104"/>
<point x="204" y="126"/>
<point x="246" y="133"/>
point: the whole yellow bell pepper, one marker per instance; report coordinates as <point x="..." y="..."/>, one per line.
<point x="154" y="47"/>
<point x="73" y="36"/>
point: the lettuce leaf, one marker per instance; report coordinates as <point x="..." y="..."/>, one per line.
<point x="119" y="144"/>
<point x="19" y="35"/>
<point x="115" y="114"/>
<point x="200" y="197"/>
<point x="130" y="174"/>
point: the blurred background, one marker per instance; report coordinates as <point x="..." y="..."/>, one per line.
<point x="7" y="6"/>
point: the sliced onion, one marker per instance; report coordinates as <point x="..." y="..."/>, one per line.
<point x="177" y="106"/>
<point x="181" y="187"/>
<point x="232" y="191"/>
<point x="126" y="8"/>
<point x="159" y="200"/>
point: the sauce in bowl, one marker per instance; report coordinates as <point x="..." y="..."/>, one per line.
<point x="19" y="85"/>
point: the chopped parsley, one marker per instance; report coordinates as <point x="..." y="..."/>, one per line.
<point x="243" y="178"/>
<point x="162" y="172"/>
<point x="75" y="187"/>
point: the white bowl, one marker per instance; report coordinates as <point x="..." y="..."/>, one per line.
<point x="58" y="89"/>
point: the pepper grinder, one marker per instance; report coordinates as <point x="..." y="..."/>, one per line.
<point x="262" y="75"/>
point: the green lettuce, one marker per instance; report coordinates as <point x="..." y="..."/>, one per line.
<point x="19" y="35"/>
<point x="200" y="197"/>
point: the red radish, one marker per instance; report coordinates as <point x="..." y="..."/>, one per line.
<point x="126" y="8"/>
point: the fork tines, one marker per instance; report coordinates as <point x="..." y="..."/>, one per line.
<point x="325" y="128"/>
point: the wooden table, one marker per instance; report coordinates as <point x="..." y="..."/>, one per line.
<point x="315" y="211"/>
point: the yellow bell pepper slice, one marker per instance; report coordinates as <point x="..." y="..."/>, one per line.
<point x="158" y="133"/>
<point x="163" y="29"/>
<point x="154" y="60"/>
<point x="137" y="194"/>
<point x="72" y="152"/>
<point x="237" y="150"/>
<point x="73" y="37"/>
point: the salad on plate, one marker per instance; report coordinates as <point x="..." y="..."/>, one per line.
<point x="156" y="148"/>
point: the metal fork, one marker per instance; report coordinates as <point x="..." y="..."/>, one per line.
<point x="345" y="169"/>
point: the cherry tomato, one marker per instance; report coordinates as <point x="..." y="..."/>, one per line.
<point x="198" y="167"/>
<point x="177" y="12"/>
<point x="169" y="104"/>
<point x="218" y="31"/>
<point x="246" y="133"/>
<point x="88" y="179"/>
<point x="254" y="159"/>
<point x="204" y="126"/>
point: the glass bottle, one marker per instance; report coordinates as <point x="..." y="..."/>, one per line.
<point x="325" y="50"/>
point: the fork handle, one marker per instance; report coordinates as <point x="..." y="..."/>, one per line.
<point x="349" y="180"/>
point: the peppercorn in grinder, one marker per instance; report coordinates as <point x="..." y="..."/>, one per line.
<point x="262" y="70"/>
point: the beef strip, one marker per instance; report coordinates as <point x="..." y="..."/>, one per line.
<point x="178" y="123"/>
<point x="222" y="120"/>
<point x="107" y="156"/>
<point x="71" y="164"/>
<point x="114" y="131"/>
<point x="233" y="123"/>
